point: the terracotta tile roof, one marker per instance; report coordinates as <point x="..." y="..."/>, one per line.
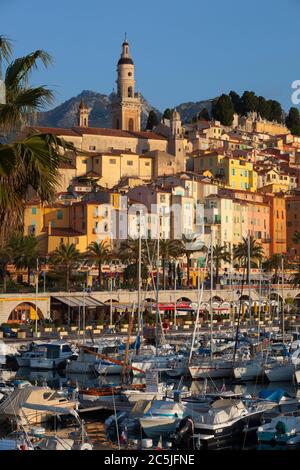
<point x="118" y="133"/>
<point x="60" y="131"/>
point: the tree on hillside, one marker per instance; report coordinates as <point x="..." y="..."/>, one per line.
<point x="167" y="113"/>
<point x="276" y="113"/>
<point x="152" y="120"/>
<point x="203" y="115"/>
<point x="292" y="121"/>
<point x="264" y="108"/>
<point x="222" y="110"/>
<point x="236" y="101"/>
<point x="249" y="102"/>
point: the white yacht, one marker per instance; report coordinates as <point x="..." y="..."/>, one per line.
<point x="216" y="368"/>
<point x="55" y="357"/>
<point x="248" y="370"/>
<point x="85" y="363"/>
<point x="36" y="351"/>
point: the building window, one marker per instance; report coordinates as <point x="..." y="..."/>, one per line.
<point x="84" y="161"/>
<point x="33" y="210"/>
<point x="129" y="163"/>
<point x="97" y="161"/>
<point x="59" y="214"/>
<point x="233" y="171"/>
<point x="112" y="161"/>
<point x="61" y="240"/>
<point x="147" y="163"/>
<point x="130" y="92"/>
<point x="92" y="147"/>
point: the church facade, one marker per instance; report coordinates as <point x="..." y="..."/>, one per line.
<point x="108" y="155"/>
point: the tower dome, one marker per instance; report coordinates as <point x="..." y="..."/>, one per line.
<point x="176" y="115"/>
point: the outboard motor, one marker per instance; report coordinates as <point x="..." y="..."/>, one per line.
<point x="182" y="438"/>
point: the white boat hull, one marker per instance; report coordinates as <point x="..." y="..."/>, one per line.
<point x="154" y="427"/>
<point x="297" y="377"/>
<point x="280" y="373"/>
<point x="108" y="369"/>
<point x="211" y="371"/>
<point x="248" y="372"/>
<point x="47" y="364"/>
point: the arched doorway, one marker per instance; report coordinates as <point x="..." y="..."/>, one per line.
<point x="24" y="312"/>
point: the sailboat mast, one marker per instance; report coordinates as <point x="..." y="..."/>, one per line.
<point x="249" y="274"/>
<point x="282" y="287"/>
<point x="259" y="303"/>
<point x="211" y="290"/>
<point x="139" y="273"/>
<point x="157" y="290"/>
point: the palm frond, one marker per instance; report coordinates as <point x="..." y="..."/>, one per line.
<point x="6" y="51"/>
<point x="17" y="73"/>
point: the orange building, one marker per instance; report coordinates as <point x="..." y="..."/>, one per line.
<point x="278" y="230"/>
<point x="292" y="223"/>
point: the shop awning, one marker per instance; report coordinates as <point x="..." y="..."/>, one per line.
<point x="79" y="301"/>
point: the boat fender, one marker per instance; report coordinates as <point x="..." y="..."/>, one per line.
<point x="85" y="446"/>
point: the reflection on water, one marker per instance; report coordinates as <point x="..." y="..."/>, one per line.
<point x="58" y="379"/>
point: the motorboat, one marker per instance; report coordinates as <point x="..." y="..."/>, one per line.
<point x="280" y="432"/>
<point x="162" y="418"/>
<point x="34" y="351"/>
<point x="225" y="421"/>
<point x="34" y="405"/>
<point x="56" y="356"/>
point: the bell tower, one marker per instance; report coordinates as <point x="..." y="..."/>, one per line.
<point x="126" y="105"/>
<point x="83" y="115"/>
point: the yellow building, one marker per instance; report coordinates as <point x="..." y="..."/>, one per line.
<point x="236" y="172"/>
<point x="80" y="223"/>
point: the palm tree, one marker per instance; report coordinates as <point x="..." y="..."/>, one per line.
<point x="66" y="257"/>
<point x="98" y="253"/>
<point x="6" y="258"/>
<point x="30" y="162"/>
<point x="25" y="252"/>
<point x="190" y="245"/>
<point x="220" y="254"/>
<point x="240" y="252"/>
<point x="169" y="249"/>
<point x="22" y="100"/>
<point x="275" y="263"/>
<point x="5" y="51"/>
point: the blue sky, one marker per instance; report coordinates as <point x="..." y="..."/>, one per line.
<point x="183" y="50"/>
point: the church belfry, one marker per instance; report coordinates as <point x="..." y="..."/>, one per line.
<point x="83" y="115"/>
<point x="126" y="105"/>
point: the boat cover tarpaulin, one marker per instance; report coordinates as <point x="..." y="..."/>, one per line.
<point x="15" y="401"/>
<point x="272" y="395"/>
